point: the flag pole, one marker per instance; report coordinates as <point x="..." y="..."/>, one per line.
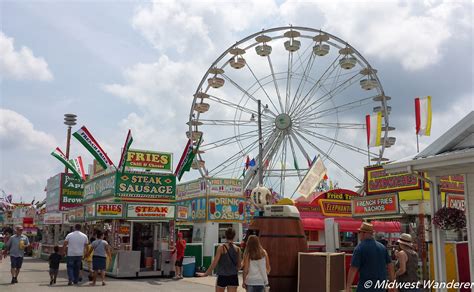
<point x="417" y="145"/>
<point x="368" y="153"/>
<point x="260" y="145"/>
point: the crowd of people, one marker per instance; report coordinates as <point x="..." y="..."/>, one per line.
<point x="370" y="260"/>
<point x="76" y="246"/>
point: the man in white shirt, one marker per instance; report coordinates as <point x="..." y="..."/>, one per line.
<point x="75" y="244"/>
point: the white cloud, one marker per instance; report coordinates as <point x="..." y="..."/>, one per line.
<point x="17" y="132"/>
<point x="195" y="28"/>
<point x="412" y="33"/>
<point x="21" y="64"/>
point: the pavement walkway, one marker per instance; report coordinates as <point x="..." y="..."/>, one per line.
<point x="34" y="277"/>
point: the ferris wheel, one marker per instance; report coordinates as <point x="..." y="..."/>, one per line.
<point x="315" y="90"/>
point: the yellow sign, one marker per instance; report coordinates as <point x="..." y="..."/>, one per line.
<point x="378" y="181"/>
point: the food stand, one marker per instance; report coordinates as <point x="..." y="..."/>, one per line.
<point x="136" y="211"/>
<point x="206" y="208"/>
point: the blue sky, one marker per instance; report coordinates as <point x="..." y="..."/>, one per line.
<point x="134" y="64"/>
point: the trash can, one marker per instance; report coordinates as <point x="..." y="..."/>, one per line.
<point x="189" y="266"/>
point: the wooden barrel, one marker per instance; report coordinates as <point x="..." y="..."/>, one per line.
<point x="282" y="238"/>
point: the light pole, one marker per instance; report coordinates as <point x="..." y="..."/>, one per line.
<point x="69" y="121"/>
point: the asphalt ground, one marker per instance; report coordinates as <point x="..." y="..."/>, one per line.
<point x="34" y="277"/>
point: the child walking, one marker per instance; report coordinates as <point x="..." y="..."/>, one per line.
<point x="54" y="260"/>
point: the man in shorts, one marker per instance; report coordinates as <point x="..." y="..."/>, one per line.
<point x="16" y="246"/>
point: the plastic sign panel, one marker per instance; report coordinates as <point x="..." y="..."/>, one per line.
<point x="182" y="213"/>
<point x="226" y="187"/>
<point x="150" y="211"/>
<point x="72" y="191"/>
<point x="380" y="205"/>
<point x="109" y="210"/>
<point x="147" y="186"/>
<point x="378" y="181"/>
<point x="90" y="211"/>
<point x="99" y="187"/>
<point x="226" y="209"/>
<point x="149" y="160"/>
<point x="53" y="218"/>
<point x="191" y="189"/>
<point x="195" y="209"/>
<point x="455" y="201"/>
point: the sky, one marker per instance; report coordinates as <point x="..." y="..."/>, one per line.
<point x="122" y="65"/>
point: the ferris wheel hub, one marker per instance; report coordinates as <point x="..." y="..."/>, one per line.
<point x="283" y="122"/>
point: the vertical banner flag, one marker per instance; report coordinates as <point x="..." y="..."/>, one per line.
<point x="423" y="115"/>
<point x="187" y="158"/>
<point x="68" y="163"/>
<point x="85" y="137"/>
<point x="126" y="146"/>
<point x="186" y="153"/>
<point x="79" y="166"/>
<point x="312" y="178"/>
<point x="374" y="129"/>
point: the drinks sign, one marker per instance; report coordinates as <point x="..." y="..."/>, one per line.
<point x="150" y="211"/>
<point x="378" y="181"/>
<point x="376" y="205"/>
<point x="108" y="210"/>
<point x="149" y="160"/>
<point x="226" y="209"/>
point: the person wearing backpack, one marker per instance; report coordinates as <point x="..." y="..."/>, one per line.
<point x="256" y="266"/>
<point x="227" y="261"/>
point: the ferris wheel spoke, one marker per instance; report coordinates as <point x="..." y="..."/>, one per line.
<point x="331" y="93"/>
<point x="288" y="80"/>
<point x="326" y="74"/>
<point x="283" y="166"/>
<point x="313" y="114"/>
<point x="239" y="123"/>
<point x="337" y="142"/>
<point x="327" y="156"/>
<point x="225" y="141"/>
<point x="295" y="160"/>
<point x="304" y="78"/>
<point x="229" y="160"/>
<point x="270" y="64"/>
<point x="300" y="146"/>
<point x="226" y="77"/>
<point x="238" y="107"/>
<point x="328" y="95"/>
<point x="340" y="126"/>
<point x="261" y="87"/>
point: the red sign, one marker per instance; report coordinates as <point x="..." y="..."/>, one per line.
<point x="375" y="206"/>
<point x="124" y="229"/>
<point x="378" y="181"/>
<point x="336" y="208"/>
<point x="455" y="201"/>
